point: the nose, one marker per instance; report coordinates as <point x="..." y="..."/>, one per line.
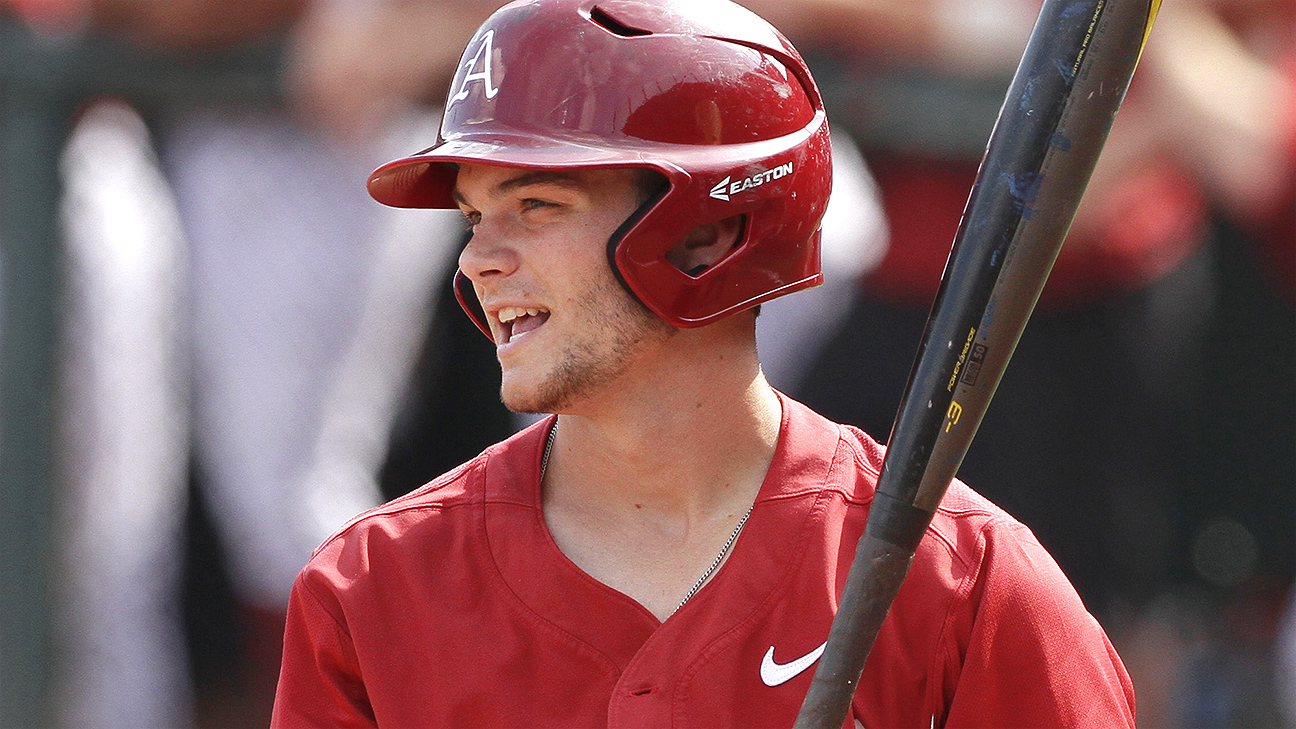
<point x="487" y="256"/>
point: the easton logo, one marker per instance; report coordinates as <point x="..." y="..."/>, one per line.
<point x="728" y="186"/>
<point x="483" y="58"/>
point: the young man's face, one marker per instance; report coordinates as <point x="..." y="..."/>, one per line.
<point x="563" y="326"/>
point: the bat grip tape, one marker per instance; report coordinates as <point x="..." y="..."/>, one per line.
<point x="897" y="521"/>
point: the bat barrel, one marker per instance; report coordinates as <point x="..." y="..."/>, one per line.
<point x="1057" y="113"/>
<point x="1055" y="118"/>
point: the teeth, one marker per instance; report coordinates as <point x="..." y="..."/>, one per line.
<point x="509" y="313"/>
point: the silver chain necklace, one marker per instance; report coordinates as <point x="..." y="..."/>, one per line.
<point x="715" y="564"/>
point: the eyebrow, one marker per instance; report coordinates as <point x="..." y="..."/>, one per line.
<point x="526" y="179"/>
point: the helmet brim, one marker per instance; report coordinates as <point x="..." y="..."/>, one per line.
<point x="427" y="179"/>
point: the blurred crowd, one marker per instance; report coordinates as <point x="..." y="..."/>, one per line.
<point x="253" y="351"/>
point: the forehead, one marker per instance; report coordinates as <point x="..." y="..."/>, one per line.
<point x="474" y="180"/>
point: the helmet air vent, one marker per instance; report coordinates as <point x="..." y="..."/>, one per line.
<point x="614" y="26"/>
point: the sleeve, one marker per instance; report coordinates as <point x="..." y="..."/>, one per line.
<point x="1033" y="655"/>
<point x="320" y="684"/>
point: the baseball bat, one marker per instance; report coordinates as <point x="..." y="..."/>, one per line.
<point x="1054" y="120"/>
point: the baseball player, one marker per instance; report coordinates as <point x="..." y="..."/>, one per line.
<point x="666" y="550"/>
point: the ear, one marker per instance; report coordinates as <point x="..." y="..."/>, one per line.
<point x="706" y="245"/>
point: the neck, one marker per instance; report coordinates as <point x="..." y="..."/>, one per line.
<point x="651" y="477"/>
<point x="684" y="439"/>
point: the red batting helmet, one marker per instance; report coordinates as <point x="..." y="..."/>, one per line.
<point x="704" y="92"/>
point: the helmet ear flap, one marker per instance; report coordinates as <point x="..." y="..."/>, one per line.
<point x="707" y="245"/>
<point x="468" y="302"/>
<point x="654" y="191"/>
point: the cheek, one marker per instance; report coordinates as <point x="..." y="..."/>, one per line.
<point x="575" y="266"/>
<point x="580" y="270"/>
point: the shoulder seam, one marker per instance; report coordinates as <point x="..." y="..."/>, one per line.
<point x="337" y="622"/>
<point x="399" y="504"/>
<point x="960" y="595"/>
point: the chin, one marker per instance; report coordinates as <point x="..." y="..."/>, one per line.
<point x="528" y="406"/>
<point x="531" y="398"/>
<point x="556" y="392"/>
<point x="583" y="370"/>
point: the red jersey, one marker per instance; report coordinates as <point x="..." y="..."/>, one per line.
<point x="453" y="607"/>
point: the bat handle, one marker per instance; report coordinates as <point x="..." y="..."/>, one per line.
<point x="880" y="566"/>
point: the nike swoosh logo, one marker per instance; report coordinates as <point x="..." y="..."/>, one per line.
<point x="774" y="674"/>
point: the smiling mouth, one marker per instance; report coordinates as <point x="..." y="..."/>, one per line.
<point x="517" y="322"/>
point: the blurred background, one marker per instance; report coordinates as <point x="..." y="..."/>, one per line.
<point x="215" y="349"/>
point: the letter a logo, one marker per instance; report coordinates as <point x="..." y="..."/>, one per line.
<point x="483" y="57"/>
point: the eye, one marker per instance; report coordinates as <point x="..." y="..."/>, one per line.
<point x="532" y="203"/>
<point x="471" y="218"/>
